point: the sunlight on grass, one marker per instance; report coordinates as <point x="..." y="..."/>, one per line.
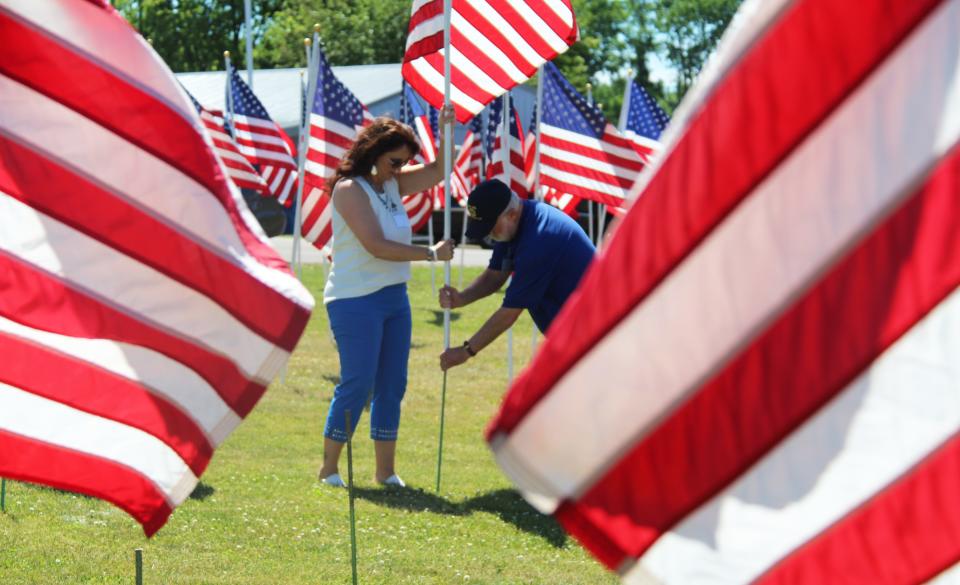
<point x="259" y="516"/>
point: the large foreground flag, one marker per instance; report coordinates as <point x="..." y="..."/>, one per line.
<point x="142" y="310"/>
<point x="494" y="46"/>
<point x="771" y="392"/>
<point x="336" y="116"/>
<point x="580" y="152"/>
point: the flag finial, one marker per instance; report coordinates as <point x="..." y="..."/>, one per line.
<point x="316" y="27"/>
<point x="226" y="54"/>
<point x="307" y="42"/>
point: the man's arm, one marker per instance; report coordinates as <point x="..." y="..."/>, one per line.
<point x="485" y="285"/>
<point x="499" y="322"/>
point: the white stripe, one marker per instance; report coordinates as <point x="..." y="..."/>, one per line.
<point x="474" y="73"/>
<point x="269" y="127"/>
<point x="94" y="33"/>
<point x="590" y="142"/>
<point x="906" y="404"/>
<point x="561" y="10"/>
<point x="816" y="204"/>
<point x="542" y="29"/>
<point x="258" y="139"/>
<point x="547" y="171"/>
<point x="31" y="416"/>
<point x="486" y="47"/>
<point x="324" y="147"/>
<point x="140" y="291"/>
<point x="425" y="29"/>
<point x="949" y="577"/>
<point x="516" y="40"/>
<point x="156" y="187"/>
<point x="325" y="218"/>
<point x="641" y="140"/>
<point x="156" y="372"/>
<point x="435" y="79"/>
<point x="348" y="133"/>
<point x="593" y="164"/>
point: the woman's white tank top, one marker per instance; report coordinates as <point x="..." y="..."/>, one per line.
<point x="355" y="272"/>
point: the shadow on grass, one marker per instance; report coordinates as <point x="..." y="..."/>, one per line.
<point x="202" y="492"/>
<point x="507" y="504"/>
<point x="331" y="378"/>
<point x="438" y="317"/>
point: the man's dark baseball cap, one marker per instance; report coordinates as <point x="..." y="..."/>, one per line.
<point x="484" y="205"/>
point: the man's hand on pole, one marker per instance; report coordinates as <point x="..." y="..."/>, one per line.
<point x="453" y="357"/>
<point x="450" y="298"/>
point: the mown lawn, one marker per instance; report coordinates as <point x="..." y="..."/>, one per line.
<point x="260" y="517"/>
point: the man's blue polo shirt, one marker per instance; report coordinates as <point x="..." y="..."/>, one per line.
<point x="548" y="256"/>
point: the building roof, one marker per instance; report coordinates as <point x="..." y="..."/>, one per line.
<point x="278" y="89"/>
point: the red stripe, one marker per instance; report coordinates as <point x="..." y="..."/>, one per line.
<point x="426" y="12"/>
<point x="425" y="46"/>
<point x="26" y="176"/>
<point x="31" y="56"/>
<point x="566" y="32"/>
<point x="328" y="161"/>
<point x="763" y="107"/>
<point x="524" y="30"/>
<point x="429" y="93"/>
<point x="459" y="79"/>
<point x="329" y="136"/>
<point x="497" y="38"/>
<point x="812" y="352"/>
<point x="909" y="533"/>
<point x="69" y="312"/>
<point x="40" y="371"/>
<point x="633" y="164"/>
<point x="76" y="472"/>
<point x="548" y="163"/>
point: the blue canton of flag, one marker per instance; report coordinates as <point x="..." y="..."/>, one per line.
<point x="494" y="115"/>
<point x="245" y="103"/>
<point x="564" y="107"/>
<point x="644" y="116"/>
<point x="333" y="100"/>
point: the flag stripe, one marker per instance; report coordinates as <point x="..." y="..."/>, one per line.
<point x="102" y="215"/>
<point x="44" y="420"/>
<point x="74" y="314"/>
<point x="91" y="265"/>
<point x="74" y="471"/>
<point x="42" y="372"/>
<point x="161" y="375"/>
<point x="912" y="527"/>
<point x="774" y="65"/>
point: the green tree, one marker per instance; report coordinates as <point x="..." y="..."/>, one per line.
<point x="689" y="32"/>
<point x="191" y="35"/>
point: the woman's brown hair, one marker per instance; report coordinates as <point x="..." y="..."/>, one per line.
<point x="383" y="135"/>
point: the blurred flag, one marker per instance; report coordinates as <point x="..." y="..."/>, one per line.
<point x="336" y="116"/>
<point x="419" y="206"/>
<point x="262" y="140"/>
<point x="509" y="146"/>
<point x="563" y="201"/>
<point x="642" y="120"/>
<point x="143" y="312"/>
<point x="580" y="152"/>
<point x="239" y="169"/>
<point x="769" y="394"/>
<point x="470" y="159"/>
<point x="494" y="46"/>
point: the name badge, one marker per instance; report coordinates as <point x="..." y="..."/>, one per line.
<point x="401" y="220"/>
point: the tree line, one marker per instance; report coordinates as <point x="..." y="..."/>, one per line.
<point x="616" y="35"/>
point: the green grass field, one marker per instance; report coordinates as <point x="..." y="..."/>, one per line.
<point x="259" y="515"/>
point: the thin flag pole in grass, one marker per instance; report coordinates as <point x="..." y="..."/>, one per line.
<point x="3" y="495"/>
<point x="138" y="565"/>
<point x="350" y="496"/>
<point x="301" y="160"/>
<point x="447" y="163"/>
<point x="537" y="111"/>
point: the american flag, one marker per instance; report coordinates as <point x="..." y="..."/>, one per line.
<point x="419" y="206"/>
<point x="143" y="310"/>
<point x="469" y="161"/>
<point x="580" y="152"/>
<point x="642" y="120"/>
<point x="565" y="202"/>
<point x="336" y="116"/>
<point x="509" y="146"/>
<point x="772" y="385"/>
<point x="262" y="140"/>
<point x="494" y="46"/>
<point x="239" y="169"/>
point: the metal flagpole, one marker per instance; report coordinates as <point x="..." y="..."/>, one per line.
<point x="447" y="162"/>
<point x="433" y="271"/>
<point x="505" y="146"/>
<point x="589" y="201"/>
<point x="621" y="125"/>
<point x="463" y="250"/>
<point x="536" y="175"/>
<point x="247" y="24"/>
<point x="302" y="139"/>
<point x="229" y="100"/>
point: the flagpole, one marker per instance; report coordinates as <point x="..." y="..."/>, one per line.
<point x="229" y="100"/>
<point x="505" y="146"/>
<point x="247" y="22"/>
<point x="590" y="201"/>
<point x="622" y="123"/>
<point x="302" y="140"/>
<point x="536" y="174"/>
<point x="447" y="162"/>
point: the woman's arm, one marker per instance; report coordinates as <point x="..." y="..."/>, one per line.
<point x="354" y="206"/>
<point x="422" y="177"/>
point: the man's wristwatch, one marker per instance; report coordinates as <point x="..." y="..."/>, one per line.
<point x="466" y="346"/>
<point x="431" y="254"/>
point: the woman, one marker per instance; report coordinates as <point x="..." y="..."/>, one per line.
<point x="366" y="295"/>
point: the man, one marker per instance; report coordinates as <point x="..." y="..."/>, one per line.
<point x="546" y="251"/>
